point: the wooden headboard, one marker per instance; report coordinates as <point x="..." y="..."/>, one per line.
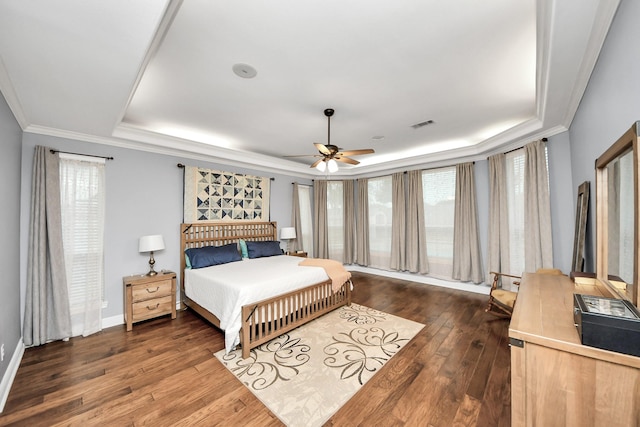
<point x="199" y="234"/>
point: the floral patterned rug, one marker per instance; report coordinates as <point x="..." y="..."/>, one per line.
<point x="306" y="375"/>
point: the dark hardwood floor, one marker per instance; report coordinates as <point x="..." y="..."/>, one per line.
<point x="456" y="371"/>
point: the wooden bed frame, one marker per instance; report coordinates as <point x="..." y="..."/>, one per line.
<point x="285" y="312"/>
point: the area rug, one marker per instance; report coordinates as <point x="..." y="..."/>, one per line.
<point x="306" y="375"/>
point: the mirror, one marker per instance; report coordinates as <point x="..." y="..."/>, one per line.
<point x="617" y="216"/>
<point x="582" y="209"/>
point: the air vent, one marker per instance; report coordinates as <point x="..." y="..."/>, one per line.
<point x="419" y="125"/>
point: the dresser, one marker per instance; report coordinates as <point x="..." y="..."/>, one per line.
<point x="557" y="381"/>
<point x="146" y="297"/>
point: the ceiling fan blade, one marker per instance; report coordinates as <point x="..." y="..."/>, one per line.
<point x="357" y="152"/>
<point x="305" y="155"/>
<point x="321" y="148"/>
<point x="346" y="160"/>
<point x="316" y="163"/>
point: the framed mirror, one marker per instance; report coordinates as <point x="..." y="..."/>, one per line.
<point x="617" y="226"/>
<point x="582" y="209"/>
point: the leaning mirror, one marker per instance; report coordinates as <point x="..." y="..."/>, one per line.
<point x="617" y="216"/>
<point x="582" y="209"/>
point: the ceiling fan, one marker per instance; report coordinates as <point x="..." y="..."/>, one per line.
<point x="330" y="154"/>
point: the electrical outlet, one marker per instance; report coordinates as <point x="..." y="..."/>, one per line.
<point x="2" y="352"/>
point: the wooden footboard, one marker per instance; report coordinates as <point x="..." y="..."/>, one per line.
<point x="265" y="320"/>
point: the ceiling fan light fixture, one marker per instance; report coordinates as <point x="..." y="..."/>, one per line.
<point x="322" y="166"/>
<point x="332" y="165"/>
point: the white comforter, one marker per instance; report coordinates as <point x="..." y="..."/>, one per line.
<point x="224" y="289"/>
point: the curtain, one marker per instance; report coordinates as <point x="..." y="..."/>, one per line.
<point x="47" y="316"/>
<point x="538" y="249"/>
<point x="349" y="256"/>
<point x="416" y="255"/>
<point x="296" y="244"/>
<point x="362" y="223"/>
<point x="498" y="217"/>
<point x="399" y="225"/>
<point x="82" y="194"/>
<point x="321" y="241"/>
<point x="467" y="264"/>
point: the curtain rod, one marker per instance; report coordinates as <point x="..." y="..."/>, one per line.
<point x="516" y="149"/>
<point x="181" y="166"/>
<point x="80" y="154"/>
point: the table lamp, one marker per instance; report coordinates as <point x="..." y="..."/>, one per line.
<point x="151" y="244"/>
<point x="288" y="233"/>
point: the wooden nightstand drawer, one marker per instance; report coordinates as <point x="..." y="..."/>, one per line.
<point x="151" y="290"/>
<point x="146" y="297"/>
<point x="152" y="308"/>
<point x="300" y="254"/>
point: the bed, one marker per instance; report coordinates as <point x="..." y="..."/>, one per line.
<point x="259" y="299"/>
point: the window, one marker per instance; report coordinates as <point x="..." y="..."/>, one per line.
<point x="439" y="193"/>
<point x="380" y="214"/>
<point x="515" y="207"/>
<point x="304" y="201"/>
<point x="335" y="220"/>
<point x="82" y="196"/>
<point x="515" y="165"/>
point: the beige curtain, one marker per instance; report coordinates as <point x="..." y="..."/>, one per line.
<point x="416" y="237"/>
<point x="498" y="216"/>
<point x="467" y="259"/>
<point x="398" y="223"/>
<point x="362" y="223"/>
<point x="47" y="316"/>
<point x="297" y="243"/>
<point x="321" y="241"/>
<point x="538" y="246"/>
<point x="349" y="255"/>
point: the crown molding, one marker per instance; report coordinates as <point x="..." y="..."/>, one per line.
<point x="604" y="15"/>
<point x="6" y="87"/>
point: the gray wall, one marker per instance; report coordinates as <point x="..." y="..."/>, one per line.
<point x="144" y="196"/>
<point x="609" y="106"/>
<point x="561" y="196"/>
<point x="10" y="136"/>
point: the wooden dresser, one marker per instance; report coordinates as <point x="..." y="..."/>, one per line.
<point x="146" y="297"/>
<point x="557" y="381"/>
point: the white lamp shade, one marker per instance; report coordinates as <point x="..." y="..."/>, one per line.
<point x="288" y="233"/>
<point x="151" y="243"/>
<point x="332" y="165"/>
<point x="321" y="166"/>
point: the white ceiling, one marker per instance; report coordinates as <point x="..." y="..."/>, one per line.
<point x="157" y="75"/>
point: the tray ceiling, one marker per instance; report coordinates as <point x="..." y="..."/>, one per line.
<point x="158" y="75"/>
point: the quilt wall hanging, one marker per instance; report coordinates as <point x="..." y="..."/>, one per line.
<point x="211" y="195"/>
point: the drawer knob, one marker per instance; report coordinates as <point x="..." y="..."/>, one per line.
<point x="153" y="291"/>
<point x="153" y="308"/>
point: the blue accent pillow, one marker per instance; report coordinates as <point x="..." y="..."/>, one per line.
<point x="243" y="248"/>
<point x="213" y="255"/>
<point x="263" y="249"/>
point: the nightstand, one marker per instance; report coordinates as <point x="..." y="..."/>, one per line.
<point x="300" y="254"/>
<point x="146" y="297"/>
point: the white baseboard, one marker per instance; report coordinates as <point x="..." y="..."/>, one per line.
<point x="10" y="373"/>
<point x="116" y="320"/>
<point x="418" y="278"/>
